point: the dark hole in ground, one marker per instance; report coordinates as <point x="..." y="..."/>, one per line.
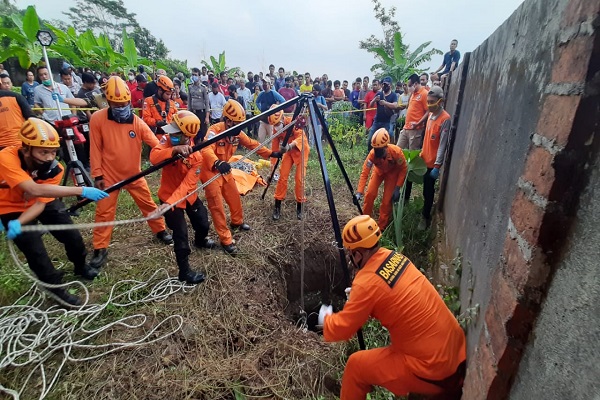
<point x="323" y="281"/>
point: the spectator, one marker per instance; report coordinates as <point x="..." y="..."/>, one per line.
<point x="450" y="62"/>
<point x="364" y="89"/>
<point x="216" y="101"/>
<point x="44" y="96"/>
<point x="244" y="93"/>
<point x="250" y="83"/>
<point x="137" y="96"/>
<point x="370" y="111"/>
<point x="386" y="102"/>
<point x="74" y="76"/>
<point x="264" y="101"/>
<point x="131" y="82"/>
<point x="288" y="93"/>
<point x="346" y="90"/>
<point x="411" y="136"/>
<point x="198" y="102"/>
<point x="204" y="80"/>
<point x="67" y="80"/>
<point x="2" y="70"/>
<point x="88" y="88"/>
<point x="5" y="82"/>
<point x="403" y="101"/>
<point x="338" y="94"/>
<point x="307" y="86"/>
<point x="211" y="78"/>
<point x="28" y="87"/>
<point x="354" y="95"/>
<point x="179" y="96"/>
<point x="234" y="95"/>
<point x="223" y="86"/>
<point x="327" y="93"/>
<point x="280" y="81"/>
<point x="424" y="78"/>
<point x="272" y="70"/>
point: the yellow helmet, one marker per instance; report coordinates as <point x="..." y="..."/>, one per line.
<point x="39" y="133"/>
<point x="274" y="119"/>
<point x="185" y="122"/>
<point x="361" y="232"/>
<point x="234" y="111"/>
<point x="116" y="90"/>
<point x="381" y="138"/>
<point x="165" y="83"/>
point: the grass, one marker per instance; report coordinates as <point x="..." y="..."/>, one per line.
<point x="238" y="340"/>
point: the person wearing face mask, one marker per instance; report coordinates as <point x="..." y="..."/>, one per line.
<point x="29" y="190"/>
<point x="45" y="96"/>
<point x="159" y="109"/>
<point x="215" y="161"/>
<point x="131" y="82"/>
<point x="390" y="168"/>
<point x="177" y="180"/>
<point x="434" y="149"/>
<point x="427" y="351"/>
<point x="116" y="136"/>
<point x="386" y="102"/>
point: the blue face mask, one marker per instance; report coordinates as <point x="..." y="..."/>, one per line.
<point x="195" y="78"/>
<point x="121" y="114"/>
<point x="175" y="140"/>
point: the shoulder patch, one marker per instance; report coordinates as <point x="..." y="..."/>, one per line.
<point x="210" y="135"/>
<point x="132" y="134"/>
<point x="370" y="163"/>
<point x="392" y="268"/>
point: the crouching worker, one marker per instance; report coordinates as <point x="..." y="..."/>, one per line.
<point x="178" y="180"/>
<point x="29" y="184"/>
<point x="390" y="168"/>
<point x="427" y="352"/>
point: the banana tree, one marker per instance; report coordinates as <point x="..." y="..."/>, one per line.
<point x="218" y="66"/>
<point x="402" y="63"/>
<point x="24" y="44"/>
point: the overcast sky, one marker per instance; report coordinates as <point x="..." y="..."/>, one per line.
<point x="318" y="36"/>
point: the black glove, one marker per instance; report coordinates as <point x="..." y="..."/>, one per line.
<point x="356" y="198"/>
<point x="276" y="154"/>
<point x="160" y="124"/>
<point x="223" y="167"/>
<point x="396" y="195"/>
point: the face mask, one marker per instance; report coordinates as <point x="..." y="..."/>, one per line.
<point x="121" y="114"/>
<point x="47" y="82"/>
<point x="175" y="140"/>
<point x="195" y="78"/>
<point x="98" y="77"/>
<point x="131" y="77"/>
<point x="44" y="169"/>
<point x="380" y="152"/>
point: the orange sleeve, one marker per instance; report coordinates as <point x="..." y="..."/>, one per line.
<point x="161" y="152"/>
<point x="189" y="182"/>
<point x="367" y="165"/>
<point x="344" y="324"/>
<point x="147" y="112"/>
<point x="252" y="144"/>
<point x="401" y="160"/>
<point x="142" y="129"/>
<point x="209" y="156"/>
<point x="96" y="143"/>
<point x="276" y="143"/>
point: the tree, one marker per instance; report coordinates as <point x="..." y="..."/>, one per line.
<point x="400" y="63"/>
<point x="148" y="46"/>
<point x="218" y="66"/>
<point x="389" y="26"/>
<point x="109" y="17"/>
<point x="23" y="41"/>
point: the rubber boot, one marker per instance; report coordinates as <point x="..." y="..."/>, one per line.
<point x="86" y="271"/>
<point x="277" y="210"/>
<point x="99" y="258"/>
<point x="299" y="210"/>
<point x="186" y="274"/>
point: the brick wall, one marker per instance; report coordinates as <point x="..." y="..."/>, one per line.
<point x="547" y="176"/>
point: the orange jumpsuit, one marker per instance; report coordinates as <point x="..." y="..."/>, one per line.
<point x="151" y="115"/>
<point x="115" y="154"/>
<point x="292" y="157"/>
<point x="224" y="187"/>
<point x="392" y="171"/>
<point x="426" y="340"/>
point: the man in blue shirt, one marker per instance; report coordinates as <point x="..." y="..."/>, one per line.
<point x="385" y="101"/>
<point x="28" y="86"/>
<point x="264" y="101"/>
<point x="451" y="60"/>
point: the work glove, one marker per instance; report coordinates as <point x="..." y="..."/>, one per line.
<point x="56" y="96"/>
<point x="435" y="173"/>
<point x="223" y="167"/>
<point x="347" y="291"/>
<point x="14" y="229"/>
<point x="396" y="195"/>
<point x="357" y="198"/>
<point x="325" y="310"/>
<point x="93" y="193"/>
<point x="276" y="154"/>
<point x="160" y="124"/>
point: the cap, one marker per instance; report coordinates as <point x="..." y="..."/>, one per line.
<point x="387" y="79"/>
<point x="436" y="91"/>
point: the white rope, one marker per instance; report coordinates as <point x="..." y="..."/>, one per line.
<point x="31" y="335"/>
<point x="92" y="225"/>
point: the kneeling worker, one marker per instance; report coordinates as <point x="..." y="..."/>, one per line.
<point x="178" y="179"/>
<point x="29" y="184"/>
<point x="427" y="352"/>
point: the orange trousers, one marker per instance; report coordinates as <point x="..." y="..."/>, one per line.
<point x="382" y="367"/>
<point x="290" y="159"/>
<point x="224" y="187"/>
<point x="385" y="210"/>
<point x="107" y="208"/>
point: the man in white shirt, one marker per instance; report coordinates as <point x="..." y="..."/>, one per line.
<point x="245" y="94"/>
<point x="217" y="101"/>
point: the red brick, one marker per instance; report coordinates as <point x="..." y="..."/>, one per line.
<point x="556" y="117"/>
<point x="573" y="60"/>
<point x="539" y="170"/>
<point x="517" y="268"/>
<point x="504" y="297"/>
<point x="481" y="371"/>
<point x="527" y="218"/>
<point x="496" y="329"/>
<point x="578" y="11"/>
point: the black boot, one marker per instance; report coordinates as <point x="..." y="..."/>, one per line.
<point x="66" y="296"/>
<point x="99" y="258"/>
<point x="299" y="210"/>
<point x="277" y="210"/>
<point x="164" y="237"/>
<point x="206" y="243"/>
<point x="230" y="249"/>
<point x="242" y="227"/>
<point x="86" y="271"/>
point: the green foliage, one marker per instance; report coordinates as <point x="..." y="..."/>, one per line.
<point x="389" y="26"/>
<point x="343" y="125"/>
<point x="218" y="66"/>
<point x="147" y="45"/>
<point x="22" y="36"/>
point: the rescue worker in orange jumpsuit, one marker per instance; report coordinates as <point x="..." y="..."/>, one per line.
<point x="296" y="153"/>
<point x="427" y="352"/>
<point x="29" y="186"/>
<point x="159" y="109"/>
<point x="116" y="136"/>
<point x="390" y="168"/>
<point x="178" y="180"/>
<point x="215" y="161"/>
